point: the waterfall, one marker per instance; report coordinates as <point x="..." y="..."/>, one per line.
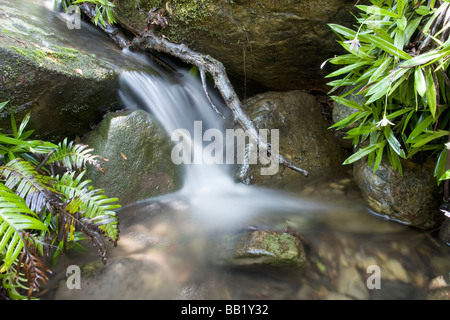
<point x="209" y="190"/>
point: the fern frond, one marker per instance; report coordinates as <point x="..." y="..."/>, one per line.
<point x="74" y="156"/>
<point x="97" y="210"/>
<point x="13" y="284"/>
<point x="15" y="216"/>
<point x="35" y="188"/>
<point x="34" y="270"/>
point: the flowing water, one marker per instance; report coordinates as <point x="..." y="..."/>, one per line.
<point x="171" y="246"/>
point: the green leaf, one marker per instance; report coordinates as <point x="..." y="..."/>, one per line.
<point x="423" y="10"/>
<point x="3" y="104"/>
<point x="420" y="84"/>
<point x="347" y="102"/>
<point x="15" y="216"/>
<point x="386" y="46"/>
<point x="400" y="7"/>
<point x="428" y="137"/>
<point x="378" y="158"/>
<point x="420" y="127"/>
<point x="430" y="92"/>
<point x="440" y="167"/>
<point x="421" y="59"/>
<point x="401" y="23"/>
<point x="381" y="69"/>
<point x="393" y="142"/>
<point x="346" y="32"/>
<point x="445" y="176"/>
<point x="377" y="10"/>
<point x="347" y="69"/>
<point x="361" y="153"/>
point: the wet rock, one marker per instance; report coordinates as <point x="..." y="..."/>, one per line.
<point x="395" y="290"/>
<point x="118" y="281"/>
<point x="439" y="294"/>
<point x="138" y="151"/>
<point x="341" y="112"/>
<point x="438" y="289"/>
<point x="276" y="44"/>
<point x="261" y="248"/>
<point x="303" y="138"/>
<point x="411" y="198"/>
<point x="351" y="283"/>
<point x="393" y="270"/>
<point x="65" y="86"/>
<point x="336" y="296"/>
<point x="444" y="232"/>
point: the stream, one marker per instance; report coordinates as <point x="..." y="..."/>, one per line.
<point x="171" y="246"/>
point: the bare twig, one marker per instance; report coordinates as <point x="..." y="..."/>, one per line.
<point x="206" y="63"/>
<point x="45" y="160"/>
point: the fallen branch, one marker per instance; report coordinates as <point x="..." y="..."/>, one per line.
<point x="206" y="64"/>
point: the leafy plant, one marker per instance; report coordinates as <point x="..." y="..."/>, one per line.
<point x="397" y="60"/>
<point x="104" y="10"/>
<point x="46" y="204"/>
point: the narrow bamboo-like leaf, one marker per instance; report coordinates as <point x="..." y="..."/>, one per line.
<point x="419" y="128"/>
<point x="3" y="104"/>
<point x="386" y="46"/>
<point x="401" y="23"/>
<point x="445" y="176"/>
<point x="421" y="59"/>
<point x="439" y="169"/>
<point x="393" y="142"/>
<point x="411" y="28"/>
<point x="346" y="32"/>
<point x="347" y="102"/>
<point x="400" y="7"/>
<point x="381" y="88"/>
<point x="361" y="153"/>
<point x="427" y="137"/>
<point x="347" y="69"/>
<point x="430" y="93"/>
<point x="381" y="69"/>
<point x="377" y="11"/>
<point x="420" y="84"/>
<point x="378" y="159"/>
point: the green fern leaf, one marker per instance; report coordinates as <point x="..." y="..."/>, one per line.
<point x="74" y="156"/>
<point x="97" y="210"/>
<point x="15" y="216"/>
<point x="35" y="188"/>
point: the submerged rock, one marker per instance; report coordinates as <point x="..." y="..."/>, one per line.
<point x="351" y="283"/>
<point x="411" y="198"/>
<point x="138" y="151"/>
<point x="260" y="248"/>
<point x="444" y="232"/>
<point x="65" y="86"/>
<point x="276" y="44"/>
<point x="303" y="138"/>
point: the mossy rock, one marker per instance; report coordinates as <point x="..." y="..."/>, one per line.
<point x="66" y="88"/>
<point x="411" y="198"/>
<point x="260" y="249"/>
<point x="138" y="152"/>
<point x="303" y="138"/>
<point x="279" y="45"/>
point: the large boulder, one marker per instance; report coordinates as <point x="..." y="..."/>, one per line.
<point x="66" y="87"/>
<point x="412" y="198"/>
<point x="279" y="45"/>
<point x="303" y="138"/>
<point x="138" y="152"/>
